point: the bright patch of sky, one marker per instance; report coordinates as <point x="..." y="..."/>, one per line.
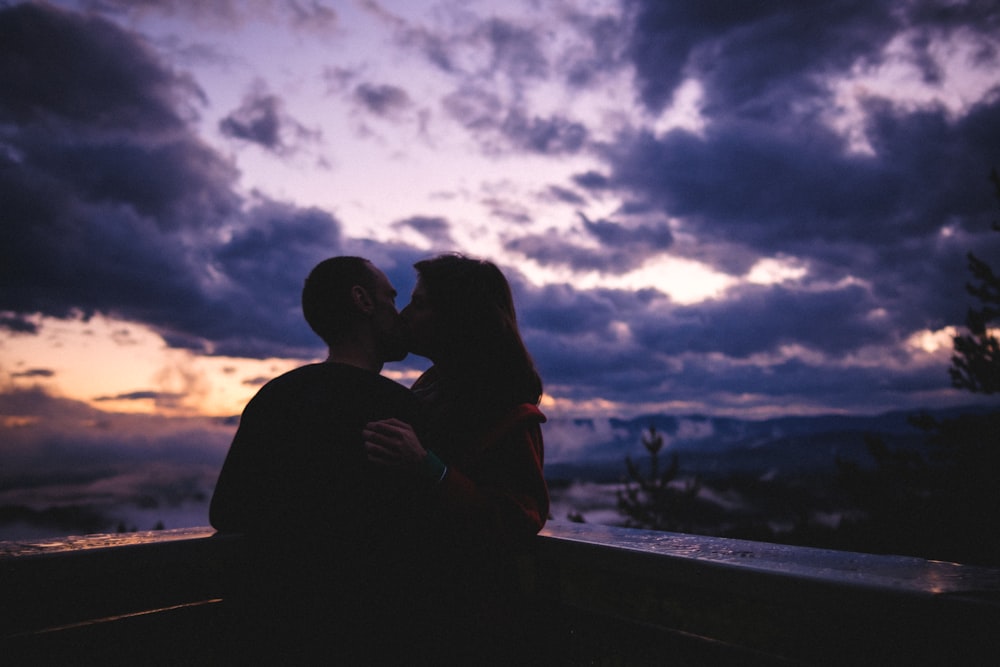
<point x="684" y="113"/>
<point x="770" y="270"/>
<point x="958" y="73"/>
<point x="933" y="341"/>
<point x="684" y="281"/>
<point x="126" y="367"/>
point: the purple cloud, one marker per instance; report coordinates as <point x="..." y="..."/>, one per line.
<point x="262" y="120"/>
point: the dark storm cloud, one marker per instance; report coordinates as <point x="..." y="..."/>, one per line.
<point x="592" y="180"/>
<point x="552" y="249"/>
<point x="793" y="382"/>
<point x="256" y="121"/>
<point x="656" y="237"/>
<point x="767" y="164"/>
<point x="262" y="120"/>
<point x="583" y="367"/>
<point x="900" y="219"/>
<point x="578" y="340"/>
<point x="753" y="58"/>
<point x="759" y="346"/>
<point x="620" y="248"/>
<point x="882" y="235"/>
<point x="767" y="173"/>
<point x="561" y="310"/>
<point x="749" y="184"/>
<point x="762" y="319"/>
<point x="639" y="346"/>
<point x="97" y="199"/>
<point x="77" y="83"/>
<point x="121" y="209"/>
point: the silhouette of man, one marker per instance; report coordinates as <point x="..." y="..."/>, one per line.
<point x="297" y="483"/>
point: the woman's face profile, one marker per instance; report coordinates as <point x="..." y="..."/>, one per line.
<point x="418" y="318"/>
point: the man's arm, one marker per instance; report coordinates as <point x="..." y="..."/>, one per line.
<point x="505" y="488"/>
<point x="237" y="502"/>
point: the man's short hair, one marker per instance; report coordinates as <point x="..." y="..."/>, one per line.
<point x="326" y="296"/>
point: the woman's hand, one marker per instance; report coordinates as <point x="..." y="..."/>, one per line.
<point x="391" y="442"/>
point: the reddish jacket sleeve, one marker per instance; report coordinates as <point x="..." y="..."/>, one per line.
<point x="502" y="485"/>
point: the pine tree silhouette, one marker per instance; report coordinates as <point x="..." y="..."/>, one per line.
<point x="659" y="501"/>
<point x="944" y="503"/>
<point x="975" y="365"/>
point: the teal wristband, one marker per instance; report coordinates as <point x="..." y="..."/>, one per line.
<point x="435" y="467"/>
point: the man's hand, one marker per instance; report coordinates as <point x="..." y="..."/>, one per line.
<point x="391" y="442"/>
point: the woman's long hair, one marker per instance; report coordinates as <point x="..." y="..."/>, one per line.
<point x="474" y="313"/>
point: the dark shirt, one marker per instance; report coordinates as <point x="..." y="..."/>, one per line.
<point x="320" y="521"/>
<point x="297" y="462"/>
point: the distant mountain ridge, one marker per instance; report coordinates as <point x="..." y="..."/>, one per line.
<point x="708" y="445"/>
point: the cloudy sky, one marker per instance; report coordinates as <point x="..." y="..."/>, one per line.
<point x="746" y="209"/>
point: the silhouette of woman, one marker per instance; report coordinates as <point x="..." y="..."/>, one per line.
<point x="480" y="452"/>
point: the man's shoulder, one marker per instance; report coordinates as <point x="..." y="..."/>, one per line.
<point x="323" y="372"/>
<point x="345" y="375"/>
<point x="322" y="379"/>
<point x="303" y="375"/>
<point x="325" y="392"/>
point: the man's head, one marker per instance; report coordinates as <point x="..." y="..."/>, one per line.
<point x="347" y="298"/>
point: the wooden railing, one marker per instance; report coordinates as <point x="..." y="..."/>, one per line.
<point x="605" y="596"/>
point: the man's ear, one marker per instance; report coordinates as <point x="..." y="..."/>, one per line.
<point x="362" y="300"/>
